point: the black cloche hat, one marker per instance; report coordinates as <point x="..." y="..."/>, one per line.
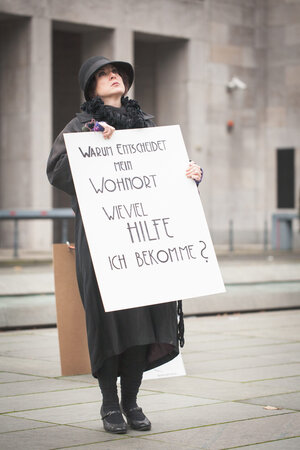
<point x="91" y="65"/>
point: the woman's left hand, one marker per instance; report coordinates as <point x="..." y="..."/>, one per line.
<point x="194" y="171"/>
<point x="108" y="130"/>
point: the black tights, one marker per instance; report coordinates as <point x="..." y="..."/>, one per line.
<point x="130" y="366"/>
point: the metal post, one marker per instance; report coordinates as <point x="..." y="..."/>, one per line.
<point x="231" y="235"/>
<point x="266" y="236"/>
<point x="64" y="230"/>
<point x="16" y="238"/>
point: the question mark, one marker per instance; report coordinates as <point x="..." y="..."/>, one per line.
<point x="205" y="257"/>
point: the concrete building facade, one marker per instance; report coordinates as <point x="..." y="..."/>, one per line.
<point x="185" y="52"/>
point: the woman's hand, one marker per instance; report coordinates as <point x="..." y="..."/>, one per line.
<point x="108" y="130"/>
<point x="194" y="171"/>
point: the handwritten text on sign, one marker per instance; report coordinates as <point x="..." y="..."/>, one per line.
<point x="143" y="218"/>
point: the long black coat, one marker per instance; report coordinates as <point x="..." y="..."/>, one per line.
<point x="111" y="333"/>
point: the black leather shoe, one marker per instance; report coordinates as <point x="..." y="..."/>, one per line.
<point x="136" y="419"/>
<point x="113" y="421"/>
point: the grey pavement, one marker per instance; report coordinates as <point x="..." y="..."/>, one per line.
<point x="242" y="390"/>
<point x="257" y="281"/>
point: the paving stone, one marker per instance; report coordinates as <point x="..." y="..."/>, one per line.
<point x="65" y="414"/>
<point x="207" y="337"/>
<point x="197" y="416"/>
<point x="201" y="356"/>
<point x="32" y="367"/>
<point x="9" y="423"/>
<point x="195" y="366"/>
<point x="49" y="353"/>
<point x="284" y="444"/>
<point x="48" y="399"/>
<point x="234" y="434"/>
<point x="51" y="437"/>
<point x="195" y="344"/>
<point x="287" y="332"/>
<point x="10" y="377"/>
<point x="235" y="322"/>
<point x="87" y="378"/>
<point x="257" y="373"/>
<point x="38" y="385"/>
<point x="289" y="401"/>
<point x="21" y="339"/>
<point x="261" y="350"/>
<point x="135" y="444"/>
<point x="162" y="401"/>
<point x="282" y="358"/>
<point x="224" y="390"/>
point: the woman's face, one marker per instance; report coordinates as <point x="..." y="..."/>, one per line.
<point x="109" y="83"/>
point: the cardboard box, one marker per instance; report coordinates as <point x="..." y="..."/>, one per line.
<point x="74" y="355"/>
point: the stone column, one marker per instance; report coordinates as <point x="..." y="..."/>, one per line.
<point x="197" y="101"/>
<point x="40" y="126"/>
<point x="96" y="43"/>
<point x="123" y="48"/>
<point x="116" y="44"/>
<point x="25" y="137"/>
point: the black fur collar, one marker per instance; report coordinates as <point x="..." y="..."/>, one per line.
<point x="128" y="116"/>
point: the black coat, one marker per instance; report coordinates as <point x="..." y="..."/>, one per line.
<point x="111" y="333"/>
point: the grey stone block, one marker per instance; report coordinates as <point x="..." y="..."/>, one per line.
<point x="233" y="343"/>
<point x="37" y="280"/>
<point x="233" y="13"/>
<point x="38" y="385"/>
<point x="88" y="378"/>
<point x="52" y="437"/>
<point x="135" y="443"/>
<point x="9" y="424"/>
<point x="26" y="366"/>
<point x="276" y="13"/>
<point x="171" y="401"/>
<point x="292" y="75"/>
<point x="241" y="35"/>
<point x="288" y="401"/>
<point x="68" y="414"/>
<point x="275" y="36"/>
<point x="286" y="444"/>
<point x="263" y="350"/>
<point x="292" y="34"/>
<point x="226" y="54"/>
<point x="46" y="399"/>
<point x="27" y="311"/>
<point x="224" y="390"/>
<point x="10" y="377"/>
<point x="219" y="33"/>
<point x="194" y="366"/>
<point x="236" y="433"/>
<point x="255" y="374"/>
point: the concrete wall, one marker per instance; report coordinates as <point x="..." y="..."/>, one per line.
<point x="282" y="114"/>
<point x="234" y="159"/>
<point x="184" y="52"/>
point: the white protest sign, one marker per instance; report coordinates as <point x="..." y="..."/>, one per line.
<point x="143" y="217"/>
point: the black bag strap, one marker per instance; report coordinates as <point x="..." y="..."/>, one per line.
<point x="180" y="327"/>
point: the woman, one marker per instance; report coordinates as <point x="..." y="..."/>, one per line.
<point x="126" y="342"/>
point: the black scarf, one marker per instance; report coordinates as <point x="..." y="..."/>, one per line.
<point x="129" y="115"/>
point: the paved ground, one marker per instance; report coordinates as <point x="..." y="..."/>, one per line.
<point x="242" y="389"/>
